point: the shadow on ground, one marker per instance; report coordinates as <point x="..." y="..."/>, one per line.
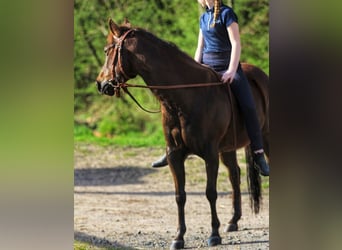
<point x="109" y="176"/>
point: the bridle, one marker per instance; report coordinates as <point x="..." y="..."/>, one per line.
<point x="119" y="75"/>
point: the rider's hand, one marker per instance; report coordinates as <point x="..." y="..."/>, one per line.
<point x="228" y="77"/>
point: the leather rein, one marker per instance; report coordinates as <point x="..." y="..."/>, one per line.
<point x="121" y="78"/>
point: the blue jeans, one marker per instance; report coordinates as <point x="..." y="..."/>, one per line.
<point x="242" y="91"/>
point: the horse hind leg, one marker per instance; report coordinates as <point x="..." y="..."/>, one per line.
<point x="230" y="161"/>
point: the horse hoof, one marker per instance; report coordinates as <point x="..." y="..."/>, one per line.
<point x="177" y="244"/>
<point x="231" y="228"/>
<point x="214" y="240"/>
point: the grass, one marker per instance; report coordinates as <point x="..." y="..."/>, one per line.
<point x="83" y="133"/>
<point x="87" y="246"/>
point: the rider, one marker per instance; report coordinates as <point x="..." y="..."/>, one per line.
<point x="219" y="48"/>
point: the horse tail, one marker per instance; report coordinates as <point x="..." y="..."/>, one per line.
<point x="254" y="182"/>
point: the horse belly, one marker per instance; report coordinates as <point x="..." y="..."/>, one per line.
<point x="198" y="134"/>
<point x="231" y="142"/>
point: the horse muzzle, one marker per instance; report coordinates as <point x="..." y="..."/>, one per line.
<point x="106" y="87"/>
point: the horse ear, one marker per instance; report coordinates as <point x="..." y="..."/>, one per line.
<point x="127" y="23"/>
<point x="114" y="28"/>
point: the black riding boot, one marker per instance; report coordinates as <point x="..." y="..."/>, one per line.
<point x="162" y="162"/>
<point x="261" y="164"/>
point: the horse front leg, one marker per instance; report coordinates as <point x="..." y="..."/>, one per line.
<point x="176" y="162"/>
<point x="211" y="193"/>
<point x="230" y="161"/>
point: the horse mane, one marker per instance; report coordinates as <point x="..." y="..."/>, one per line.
<point x="161" y="42"/>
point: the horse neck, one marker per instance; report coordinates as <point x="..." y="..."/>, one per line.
<point x="160" y="63"/>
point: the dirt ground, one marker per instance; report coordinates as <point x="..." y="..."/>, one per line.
<point x="120" y="202"/>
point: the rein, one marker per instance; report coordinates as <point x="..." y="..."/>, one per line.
<point x="177" y="86"/>
<point x="124" y="86"/>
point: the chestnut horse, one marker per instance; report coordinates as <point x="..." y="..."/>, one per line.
<point x="199" y="115"/>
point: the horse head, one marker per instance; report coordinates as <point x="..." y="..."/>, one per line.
<point x="117" y="67"/>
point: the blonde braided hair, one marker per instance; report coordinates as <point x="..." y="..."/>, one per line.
<point x="217" y="6"/>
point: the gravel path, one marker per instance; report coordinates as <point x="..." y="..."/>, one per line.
<point x="121" y="202"/>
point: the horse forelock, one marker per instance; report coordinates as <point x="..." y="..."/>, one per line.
<point x="110" y="38"/>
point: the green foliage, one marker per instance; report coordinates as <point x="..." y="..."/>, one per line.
<point x="176" y="21"/>
<point x="254" y="30"/>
